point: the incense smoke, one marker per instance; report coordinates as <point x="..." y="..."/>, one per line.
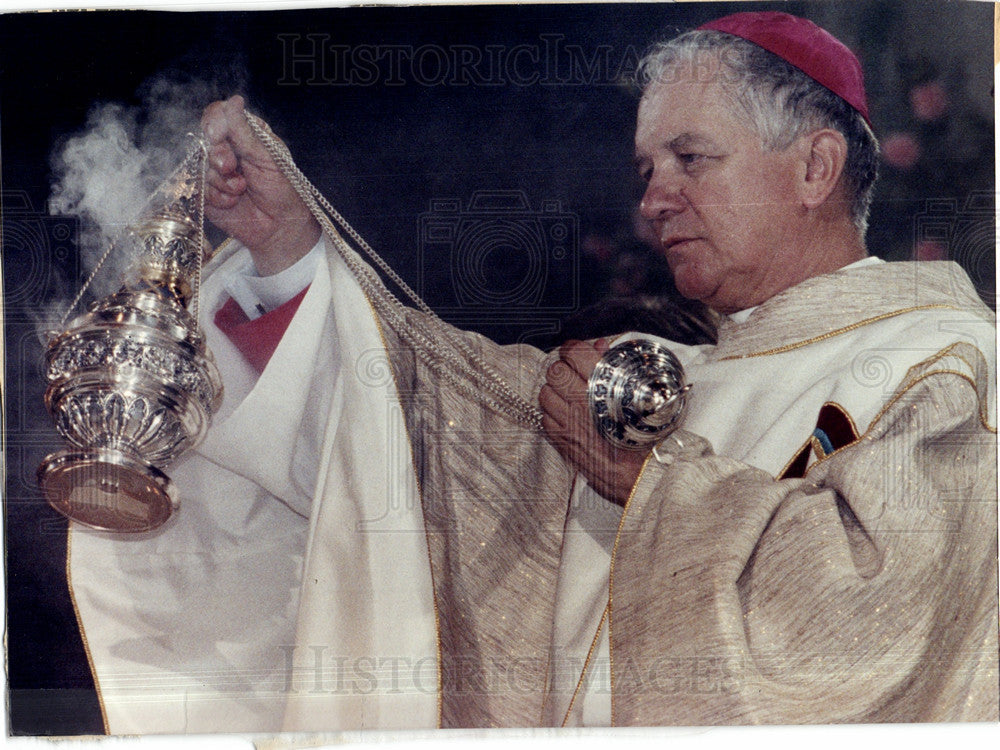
<point x="106" y="173"/>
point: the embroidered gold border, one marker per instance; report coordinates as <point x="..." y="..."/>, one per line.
<point x="423" y="510"/>
<point x="817" y="448"/>
<point x="83" y="633"/>
<point x="850" y="420"/>
<point x="795" y="455"/>
<point x="949" y="352"/>
<point x="611" y="583"/>
<point x="586" y="663"/>
<point x="900" y="395"/>
<point x="946" y="352"/>
<point x="874" y="422"/>
<point x="815" y="444"/>
<point x="838" y="332"/>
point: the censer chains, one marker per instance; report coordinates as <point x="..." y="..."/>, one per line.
<point x="650" y="371"/>
<point x="132" y="384"/>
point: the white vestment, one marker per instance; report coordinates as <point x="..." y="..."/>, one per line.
<point x="255" y="609"/>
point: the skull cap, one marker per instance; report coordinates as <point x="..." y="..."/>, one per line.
<point x="800" y="42"/>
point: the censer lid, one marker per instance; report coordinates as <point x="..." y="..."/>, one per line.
<point x="107" y="490"/>
<point x="637" y="394"/>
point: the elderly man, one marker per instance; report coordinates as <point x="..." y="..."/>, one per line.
<point x="367" y="541"/>
<point x="818" y="543"/>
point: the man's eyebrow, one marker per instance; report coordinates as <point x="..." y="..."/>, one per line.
<point x="682" y="142"/>
<point x="689" y="140"/>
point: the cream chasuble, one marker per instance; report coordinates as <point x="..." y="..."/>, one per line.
<point x="759" y="404"/>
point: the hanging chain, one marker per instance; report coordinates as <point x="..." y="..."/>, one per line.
<point x="86" y="285"/>
<point x="458" y="370"/>
<point x="202" y="147"/>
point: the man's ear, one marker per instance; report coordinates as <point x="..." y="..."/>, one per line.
<point x="825" y="152"/>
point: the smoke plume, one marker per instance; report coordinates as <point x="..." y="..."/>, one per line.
<point x="106" y="173"/>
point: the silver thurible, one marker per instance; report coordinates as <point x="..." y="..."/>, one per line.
<point x="131" y="382"/>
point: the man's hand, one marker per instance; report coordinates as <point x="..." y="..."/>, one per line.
<point x="610" y="471"/>
<point x="248" y="197"/>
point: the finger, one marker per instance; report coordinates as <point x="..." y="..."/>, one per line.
<point x="565" y="441"/>
<point x="561" y="376"/>
<point x="553" y="430"/>
<point x="582" y="357"/>
<point x="234" y="185"/>
<point x="223" y="160"/>
<point x="245" y="143"/>
<point x="569" y="345"/>
<point x="230" y="138"/>
<point x="213" y="123"/>
<point x="553" y="405"/>
<point x="219" y="200"/>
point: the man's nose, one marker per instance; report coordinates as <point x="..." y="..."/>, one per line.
<point x="662" y="199"/>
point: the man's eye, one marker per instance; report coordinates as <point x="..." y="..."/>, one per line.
<point x="689" y="160"/>
<point x="646" y="174"/>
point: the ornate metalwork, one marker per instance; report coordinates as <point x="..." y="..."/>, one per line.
<point x="637" y="394"/>
<point x="131" y="382"/>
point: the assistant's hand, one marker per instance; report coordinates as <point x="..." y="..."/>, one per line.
<point x="610" y="471"/>
<point x="248" y="197"/>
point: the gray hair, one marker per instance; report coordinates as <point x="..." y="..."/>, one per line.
<point x="780" y="101"/>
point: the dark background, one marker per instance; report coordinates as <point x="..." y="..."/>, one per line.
<point x="400" y="151"/>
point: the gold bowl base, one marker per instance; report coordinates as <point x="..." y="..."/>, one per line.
<point x="107" y="490"/>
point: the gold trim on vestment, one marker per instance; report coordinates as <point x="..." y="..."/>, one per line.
<point x="818" y="450"/>
<point x="586" y="663"/>
<point x="964" y="376"/>
<point x="838" y="332"/>
<point x="948" y="352"/>
<point x="611" y="582"/>
<point x="816" y="445"/>
<point x="795" y="456"/>
<point x="83" y="634"/>
<point x="854" y="427"/>
<point x="423" y="511"/>
<point x="900" y="395"/>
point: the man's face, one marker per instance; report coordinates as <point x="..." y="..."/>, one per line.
<point x="723" y="206"/>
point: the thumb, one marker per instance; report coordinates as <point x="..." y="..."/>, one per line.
<point x="244" y="142"/>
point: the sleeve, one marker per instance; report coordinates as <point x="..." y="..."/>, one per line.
<point x="259" y="309"/>
<point x="258" y="295"/>
<point x="865" y="591"/>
